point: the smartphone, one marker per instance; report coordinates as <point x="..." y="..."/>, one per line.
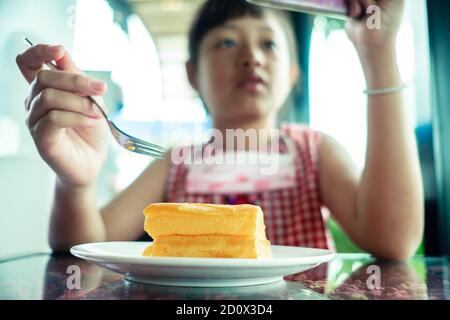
<point x="330" y="8"/>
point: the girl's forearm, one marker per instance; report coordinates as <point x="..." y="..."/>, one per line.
<point x="390" y="195"/>
<point x="75" y="218"/>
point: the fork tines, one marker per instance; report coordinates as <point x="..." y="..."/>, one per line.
<point x="145" y="148"/>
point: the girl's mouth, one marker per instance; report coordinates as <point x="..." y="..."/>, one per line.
<point x="252" y="84"/>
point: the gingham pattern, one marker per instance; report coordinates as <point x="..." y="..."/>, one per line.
<point x="293" y="216"/>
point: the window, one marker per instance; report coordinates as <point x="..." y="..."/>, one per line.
<point x="148" y="96"/>
<point x="131" y="58"/>
<point x="335" y="69"/>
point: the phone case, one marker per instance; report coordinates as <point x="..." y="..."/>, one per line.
<point x="331" y="8"/>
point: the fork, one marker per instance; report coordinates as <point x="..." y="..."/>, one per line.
<point x="123" y="139"/>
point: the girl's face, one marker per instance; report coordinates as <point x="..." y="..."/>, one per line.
<point x="244" y="72"/>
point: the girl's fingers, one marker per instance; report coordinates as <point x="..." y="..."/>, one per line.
<point x="66" y="119"/>
<point x="351" y="8"/>
<point x="66" y="63"/>
<point x="32" y="61"/>
<point x="366" y="4"/>
<point x="51" y="124"/>
<point x="56" y="100"/>
<point x="354" y="8"/>
<point x="64" y="81"/>
<point x="363" y="5"/>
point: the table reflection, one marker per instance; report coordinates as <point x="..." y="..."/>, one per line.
<point x="352" y="278"/>
<point x="382" y="280"/>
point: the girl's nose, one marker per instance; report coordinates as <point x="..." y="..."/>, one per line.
<point x="250" y="57"/>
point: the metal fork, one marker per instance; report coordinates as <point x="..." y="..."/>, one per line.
<point x="123" y="139"/>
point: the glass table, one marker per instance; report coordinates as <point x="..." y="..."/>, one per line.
<point x="43" y="276"/>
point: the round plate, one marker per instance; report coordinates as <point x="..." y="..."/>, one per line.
<point x="126" y="258"/>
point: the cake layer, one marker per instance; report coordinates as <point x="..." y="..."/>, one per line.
<point x="209" y="246"/>
<point x="165" y="219"/>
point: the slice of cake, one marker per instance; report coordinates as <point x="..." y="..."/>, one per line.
<point x="206" y="230"/>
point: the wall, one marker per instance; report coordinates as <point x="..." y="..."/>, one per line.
<point x="26" y="184"/>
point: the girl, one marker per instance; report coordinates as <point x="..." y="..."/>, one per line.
<point x="241" y="66"/>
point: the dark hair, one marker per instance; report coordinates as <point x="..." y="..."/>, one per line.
<point x="214" y="13"/>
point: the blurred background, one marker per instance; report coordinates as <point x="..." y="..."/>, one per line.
<point x="140" y="46"/>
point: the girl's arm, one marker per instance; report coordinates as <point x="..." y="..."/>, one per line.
<point x="76" y="218"/>
<point x="381" y="209"/>
<point x="123" y="216"/>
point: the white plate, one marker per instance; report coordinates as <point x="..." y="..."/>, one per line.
<point x="126" y="258"/>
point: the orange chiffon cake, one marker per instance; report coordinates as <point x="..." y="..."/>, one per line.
<point x="206" y="231"/>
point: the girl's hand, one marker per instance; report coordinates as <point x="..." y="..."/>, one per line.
<point x="390" y="14"/>
<point x="68" y="130"/>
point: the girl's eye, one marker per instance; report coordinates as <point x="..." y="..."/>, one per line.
<point x="226" y="43"/>
<point x="269" y="44"/>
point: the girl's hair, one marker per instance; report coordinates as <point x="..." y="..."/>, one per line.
<point x="214" y="13"/>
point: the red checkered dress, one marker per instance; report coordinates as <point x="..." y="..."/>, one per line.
<point x="293" y="216"/>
